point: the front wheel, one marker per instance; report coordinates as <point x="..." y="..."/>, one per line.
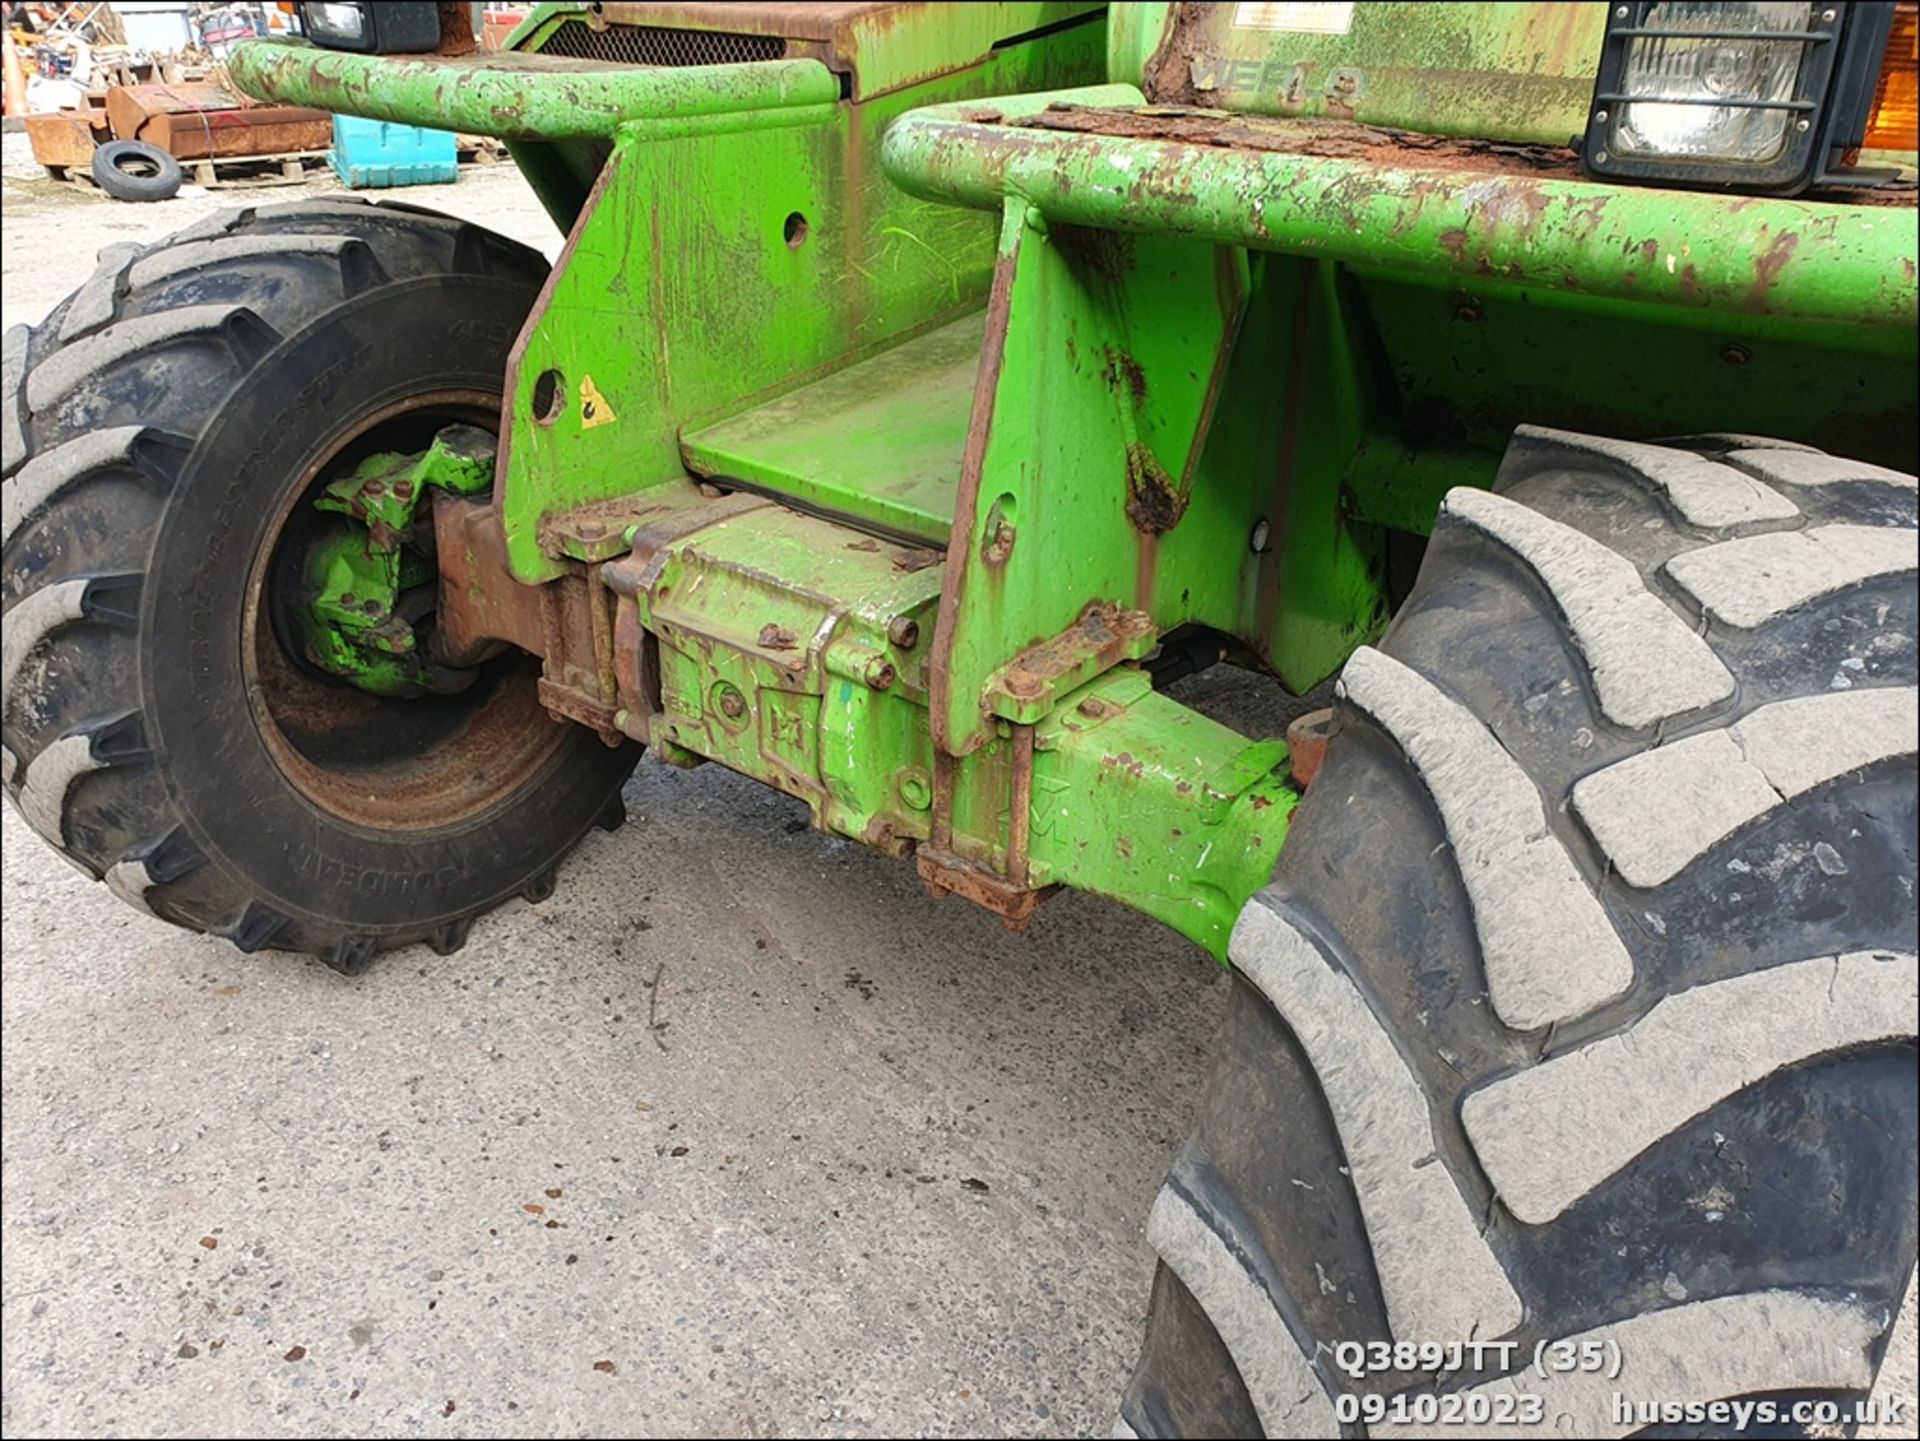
<point x="1569" y="1074"/>
<point x="167" y="431"/>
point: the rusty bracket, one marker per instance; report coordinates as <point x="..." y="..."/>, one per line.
<point x="567" y="622"/>
<point x="481" y="605"/>
<point x="946" y="874"/>
<point x="1030" y="685"/>
<point x="1307" y="738"/>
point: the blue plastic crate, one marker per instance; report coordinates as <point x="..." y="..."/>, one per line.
<point x="368" y="154"/>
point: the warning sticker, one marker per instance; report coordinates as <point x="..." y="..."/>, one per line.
<point x="1308" y="17"/>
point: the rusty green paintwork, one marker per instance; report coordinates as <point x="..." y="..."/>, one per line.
<point x="1699" y="256"/>
<point x="1140" y="799"/>
<point x="879" y="48"/>
<point x="1125" y="454"/>
<point x="799" y="651"/>
<point x="776" y="659"/>
<point x="713" y="272"/>
<point x="1210" y="379"/>
<point x="521" y="96"/>
<point x="1499" y="71"/>
<point x="352" y="624"/>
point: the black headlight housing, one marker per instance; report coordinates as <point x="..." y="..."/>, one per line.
<point x="1747" y="95"/>
<point x="389" y="27"/>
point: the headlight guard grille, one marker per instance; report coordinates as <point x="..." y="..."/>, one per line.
<point x="1795" y="131"/>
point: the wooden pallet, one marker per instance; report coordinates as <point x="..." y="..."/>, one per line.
<point x="223" y="172"/>
<point x="251" y="172"/>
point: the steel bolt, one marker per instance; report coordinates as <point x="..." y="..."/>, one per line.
<point x="1599" y="157"/>
<point x="733" y="705"/>
<point x="1257" y="543"/>
<point x="1735" y="354"/>
<point x="1599" y="117"/>
<point x="916" y="789"/>
<point x="1622" y="13"/>
<point x="1803" y="125"/>
<point x="904" y="631"/>
<point x="879" y="673"/>
<point x="1827" y="16"/>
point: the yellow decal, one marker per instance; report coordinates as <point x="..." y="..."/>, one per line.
<point x="594" y="409"/>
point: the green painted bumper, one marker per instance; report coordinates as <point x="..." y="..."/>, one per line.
<point x="519" y="96"/>
<point x="1706" y="254"/>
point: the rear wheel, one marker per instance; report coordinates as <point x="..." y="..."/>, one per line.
<point x="167" y="430"/>
<point x="1581" y="1006"/>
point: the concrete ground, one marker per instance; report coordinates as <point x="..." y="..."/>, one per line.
<point x="880" y="1170"/>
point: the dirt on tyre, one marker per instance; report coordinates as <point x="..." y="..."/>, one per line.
<point x="165" y="431"/>
<point x="1578" y="1020"/>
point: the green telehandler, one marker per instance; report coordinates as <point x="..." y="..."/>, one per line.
<point x="920" y="389"/>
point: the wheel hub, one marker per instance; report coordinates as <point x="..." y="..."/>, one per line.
<point x="370" y="582"/>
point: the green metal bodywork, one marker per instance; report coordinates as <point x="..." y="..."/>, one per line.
<point x="748" y="261"/>
<point x="931" y="385"/>
<point x="529" y="97"/>
<point x="1509" y="71"/>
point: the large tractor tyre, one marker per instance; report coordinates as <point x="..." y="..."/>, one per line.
<point x="165" y="431"/>
<point x="1581" y="1007"/>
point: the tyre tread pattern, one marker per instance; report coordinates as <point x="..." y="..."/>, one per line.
<point x="1657" y="1165"/>
<point x="165" y="313"/>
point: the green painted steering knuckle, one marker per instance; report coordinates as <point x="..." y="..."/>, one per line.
<point x="369" y="585"/>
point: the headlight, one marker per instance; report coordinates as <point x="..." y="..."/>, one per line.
<point x="336" y="25"/>
<point x="393" y="27"/>
<point x="1761" y="95"/>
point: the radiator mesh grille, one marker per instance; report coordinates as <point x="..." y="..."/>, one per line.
<point x="655" y="45"/>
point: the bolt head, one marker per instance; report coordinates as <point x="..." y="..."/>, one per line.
<point x="880" y="673"/>
<point x="1257" y="542"/>
<point x="916" y="789"/>
<point x="733" y="705"/>
<point x="903" y="631"/>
